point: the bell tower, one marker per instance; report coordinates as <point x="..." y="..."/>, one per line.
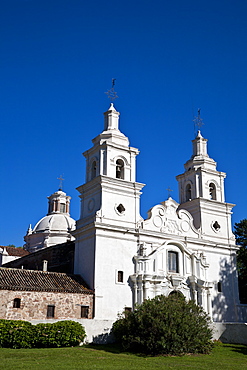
<point x="106" y="231"/>
<point x="110" y="190"/>
<point x="201" y="192"/>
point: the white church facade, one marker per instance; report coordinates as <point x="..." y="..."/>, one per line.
<point x="187" y="247"/>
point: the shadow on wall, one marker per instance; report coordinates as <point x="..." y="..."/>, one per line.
<point x="234" y="333"/>
<point x="225" y="303"/>
<point x="106" y="338"/>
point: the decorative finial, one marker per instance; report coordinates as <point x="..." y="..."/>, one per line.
<point x="60" y="182"/>
<point x="198" y="122"/>
<point x="169" y="191"/>
<point x="29" y="230"/>
<point x="112" y="94"/>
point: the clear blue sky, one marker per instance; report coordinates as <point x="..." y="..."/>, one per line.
<point x="169" y="58"/>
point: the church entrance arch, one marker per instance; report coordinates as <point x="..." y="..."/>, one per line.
<point x="176" y="293"/>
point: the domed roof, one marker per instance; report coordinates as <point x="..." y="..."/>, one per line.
<point x="55" y="222"/>
<point x="55" y="227"/>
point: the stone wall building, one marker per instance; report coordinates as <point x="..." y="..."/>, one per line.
<point x="38" y="295"/>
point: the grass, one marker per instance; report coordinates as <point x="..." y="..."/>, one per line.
<point x="225" y="356"/>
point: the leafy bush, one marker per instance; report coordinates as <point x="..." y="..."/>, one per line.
<point x="16" y="334"/>
<point x="165" y="325"/>
<point x="22" y="334"/>
<point x="45" y="335"/>
<point x="60" y="334"/>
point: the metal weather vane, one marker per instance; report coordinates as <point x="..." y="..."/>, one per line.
<point x="60" y="182"/>
<point x="198" y="122"/>
<point x="111" y="93"/>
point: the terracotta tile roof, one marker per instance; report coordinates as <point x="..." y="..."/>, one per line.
<point x="31" y="280"/>
<point x="18" y="252"/>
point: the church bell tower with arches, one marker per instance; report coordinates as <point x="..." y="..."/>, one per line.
<point x="106" y="231"/>
<point x="201" y="192"/>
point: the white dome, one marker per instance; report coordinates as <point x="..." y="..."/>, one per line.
<point x="55" y="228"/>
<point x="55" y="223"/>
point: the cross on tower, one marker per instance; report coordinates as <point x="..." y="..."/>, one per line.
<point x="198" y="122"/>
<point x="111" y="93"/>
<point x="60" y="182"/>
<point x="169" y="191"/>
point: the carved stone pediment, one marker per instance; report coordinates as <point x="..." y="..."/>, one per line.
<point x="167" y="219"/>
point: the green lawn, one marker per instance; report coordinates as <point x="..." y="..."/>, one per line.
<point x="105" y="357"/>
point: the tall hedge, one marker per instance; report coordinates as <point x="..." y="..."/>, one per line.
<point x="22" y="334"/>
<point x="165" y="325"/>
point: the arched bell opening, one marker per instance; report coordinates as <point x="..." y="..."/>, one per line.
<point x="120" y="169"/>
<point x="93" y="170"/>
<point x="212" y="191"/>
<point x="188" y="193"/>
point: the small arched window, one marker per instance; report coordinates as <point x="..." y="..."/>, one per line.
<point x="55" y="206"/>
<point x="62" y="208"/>
<point x="212" y="191"/>
<point x="173" y="261"/>
<point x="93" y="170"/>
<point x="120" y="169"/>
<point x="188" y="192"/>
<point x="17" y="303"/>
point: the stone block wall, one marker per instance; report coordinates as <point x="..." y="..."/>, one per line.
<point x="33" y="305"/>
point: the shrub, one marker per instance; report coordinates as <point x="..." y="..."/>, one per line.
<point x="60" y="334"/>
<point x="44" y="335"/>
<point x="16" y="334"/>
<point x="22" y="334"/>
<point x="165" y="325"/>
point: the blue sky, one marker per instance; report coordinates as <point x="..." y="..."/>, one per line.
<point x="169" y="58"/>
